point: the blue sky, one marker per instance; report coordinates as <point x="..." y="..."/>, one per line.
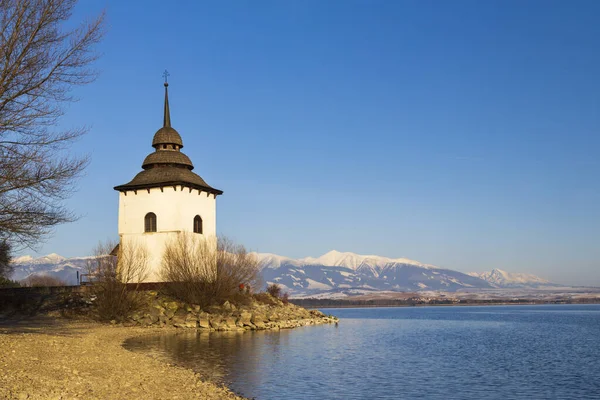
<point x="463" y="134"/>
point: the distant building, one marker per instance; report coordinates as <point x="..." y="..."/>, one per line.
<point x="166" y="198"/>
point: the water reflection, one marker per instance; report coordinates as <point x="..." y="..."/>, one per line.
<point x="225" y="357"/>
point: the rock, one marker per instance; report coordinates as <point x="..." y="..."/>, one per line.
<point x="191" y="321"/>
<point x="230" y="322"/>
<point x="169" y="312"/>
<point x="136" y="317"/>
<point x="273" y="317"/>
<point x="227" y="306"/>
<point x="155" y="314"/>
<point x="316" y="313"/>
<point x="179" y="319"/>
<point x="214" y="310"/>
<point x="203" y="323"/>
<point x="258" y="320"/>
<point x="215" y="322"/>
<point x="256" y="317"/>
<point x="259" y="325"/>
<point x="245" y="318"/>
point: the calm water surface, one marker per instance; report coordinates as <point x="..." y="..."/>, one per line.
<point x="512" y="352"/>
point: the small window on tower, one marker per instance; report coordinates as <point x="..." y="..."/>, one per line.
<point x="197" y="224"/>
<point x="150" y="222"/>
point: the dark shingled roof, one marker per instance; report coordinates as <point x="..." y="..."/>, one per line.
<point x="167" y="176"/>
<point x="167" y="157"/>
<point x="166" y="135"/>
<point x="167" y="167"/>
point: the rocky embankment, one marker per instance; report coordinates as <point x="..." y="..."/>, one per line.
<point x="164" y="311"/>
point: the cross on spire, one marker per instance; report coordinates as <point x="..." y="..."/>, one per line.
<point x="166" y="75"/>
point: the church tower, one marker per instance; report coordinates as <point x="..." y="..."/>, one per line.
<point x="166" y="198"/>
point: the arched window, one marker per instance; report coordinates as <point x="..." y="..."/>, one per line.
<point x="197" y="224"/>
<point x="150" y="222"/>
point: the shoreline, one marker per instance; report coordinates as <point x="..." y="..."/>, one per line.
<point x="55" y="358"/>
<point x="317" y="307"/>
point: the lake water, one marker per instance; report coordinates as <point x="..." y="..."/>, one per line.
<point x="512" y="352"/>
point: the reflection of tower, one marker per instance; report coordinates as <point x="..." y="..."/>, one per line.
<point x="166" y="198"/>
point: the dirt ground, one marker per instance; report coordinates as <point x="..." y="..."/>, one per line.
<point x="53" y="358"/>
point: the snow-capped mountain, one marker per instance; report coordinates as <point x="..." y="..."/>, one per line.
<point x="337" y="272"/>
<point x="333" y="272"/>
<point x="502" y="279"/>
<point x="54" y="265"/>
<point x="52" y="258"/>
<point x="356" y="261"/>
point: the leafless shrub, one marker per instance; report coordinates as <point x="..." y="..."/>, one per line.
<point x="207" y="271"/>
<point x="43" y="281"/>
<point x="116" y="278"/>
<point x="43" y="60"/>
<point x="235" y="266"/>
<point x="265" y="298"/>
<point x="274" y="290"/>
<point x="273" y="293"/>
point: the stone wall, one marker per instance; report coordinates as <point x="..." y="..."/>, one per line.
<point x="33" y="300"/>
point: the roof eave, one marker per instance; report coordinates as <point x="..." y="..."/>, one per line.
<point x="208" y="189"/>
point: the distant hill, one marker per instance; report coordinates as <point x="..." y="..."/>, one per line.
<point x="502" y="279"/>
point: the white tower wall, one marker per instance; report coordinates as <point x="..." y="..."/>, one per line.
<point x="175" y="209"/>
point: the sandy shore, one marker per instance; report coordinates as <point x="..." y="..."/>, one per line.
<point x="49" y="358"/>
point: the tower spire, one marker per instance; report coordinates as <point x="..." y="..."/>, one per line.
<point x="167" y="114"/>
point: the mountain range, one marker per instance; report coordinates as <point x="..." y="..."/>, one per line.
<point x="349" y="274"/>
<point x="53" y="264"/>
<point x="332" y="273"/>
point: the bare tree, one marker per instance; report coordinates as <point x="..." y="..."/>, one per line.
<point x="189" y="266"/>
<point x="40" y="63"/>
<point x="235" y="266"/>
<point x="6" y="268"/>
<point x="205" y="271"/>
<point x="116" y="279"/>
<point x="189" y="257"/>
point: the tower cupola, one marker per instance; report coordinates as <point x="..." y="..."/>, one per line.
<point x="167" y="165"/>
<point x="167" y="137"/>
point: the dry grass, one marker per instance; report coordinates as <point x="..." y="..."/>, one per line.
<point x="113" y="274"/>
